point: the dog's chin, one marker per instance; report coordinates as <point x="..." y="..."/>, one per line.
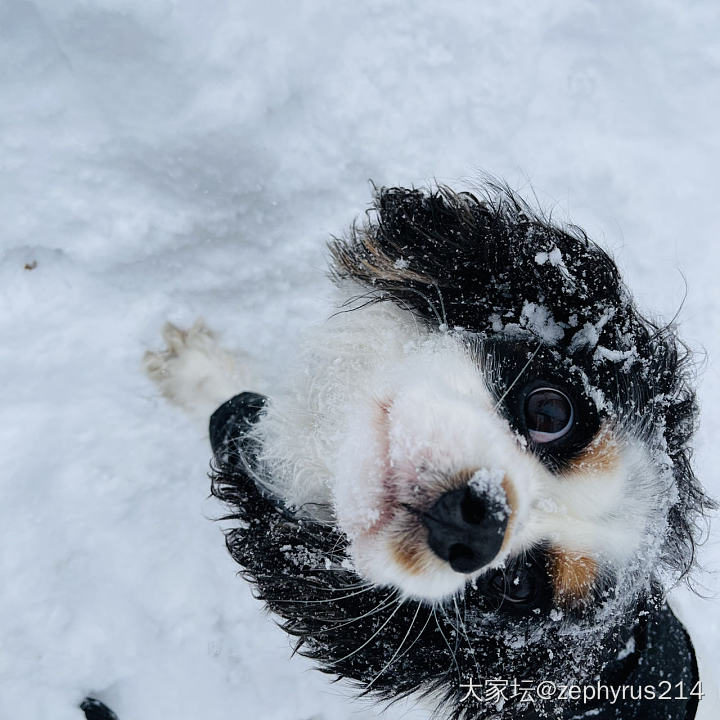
<point x="413" y="571"/>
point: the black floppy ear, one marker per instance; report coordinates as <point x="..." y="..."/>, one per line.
<point x="409" y="247"/>
<point x="410" y="237"/>
<point x="436" y="252"/>
<point x="415" y="226"/>
<point x="461" y="260"/>
<point x="380" y="252"/>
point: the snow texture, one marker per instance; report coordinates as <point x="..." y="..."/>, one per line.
<point x="164" y="161"/>
<point x="488" y="482"/>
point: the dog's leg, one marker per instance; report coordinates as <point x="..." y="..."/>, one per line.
<point x="195" y="372"/>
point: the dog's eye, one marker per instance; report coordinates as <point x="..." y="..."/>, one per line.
<point x="549" y="415"/>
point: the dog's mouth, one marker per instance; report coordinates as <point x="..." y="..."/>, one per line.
<point x="438" y="530"/>
<point x="434" y="528"/>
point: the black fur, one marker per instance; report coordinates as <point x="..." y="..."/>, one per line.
<point x="463" y="262"/>
<point x="498" y="629"/>
<point x="472" y="262"/>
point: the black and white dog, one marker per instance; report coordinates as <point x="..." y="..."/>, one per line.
<point x="476" y="487"/>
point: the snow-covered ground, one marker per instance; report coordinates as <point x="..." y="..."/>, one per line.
<point x="167" y="160"/>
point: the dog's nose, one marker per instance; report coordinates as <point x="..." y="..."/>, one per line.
<point x="466" y="529"/>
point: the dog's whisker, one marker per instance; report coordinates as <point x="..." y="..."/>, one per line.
<point x="517" y="377"/>
<point x="344" y="623"/>
<point x="451" y="651"/>
<point x="317" y="585"/>
<point x="343" y="587"/>
<point x="338" y="542"/>
<point x="325" y="600"/>
<point x="334" y="565"/>
<point x="409" y="648"/>
<point x="442" y="305"/>
<point x="319" y="506"/>
<point x="461" y="622"/>
<point x="399" y="604"/>
<point x="399" y="648"/>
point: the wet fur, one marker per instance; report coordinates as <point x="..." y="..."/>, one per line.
<point x="475" y="262"/>
<point x="468" y="260"/>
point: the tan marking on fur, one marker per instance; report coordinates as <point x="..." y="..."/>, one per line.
<point x="511" y="495"/>
<point x="461" y="478"/>
<point x="573" y="576"/>
<point x="410" y="556"/>
<point x="409" y="546"/>
<point x="602" y="455"/>
<point x="381" y="421"/>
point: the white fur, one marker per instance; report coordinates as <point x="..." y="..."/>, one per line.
<point x="321" y="441"/>
<point x="377" y="406"/>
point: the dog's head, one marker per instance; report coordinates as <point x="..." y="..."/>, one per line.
<point x="489" y="417"/>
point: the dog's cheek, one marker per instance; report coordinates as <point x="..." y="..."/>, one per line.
<point x="574" y="577"/>
<point x="410" y="568"/>
<point x="372" y="560"/>
<point x="363" y="495"/>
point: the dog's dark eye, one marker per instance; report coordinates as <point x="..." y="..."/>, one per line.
<point x="549" y="415"/>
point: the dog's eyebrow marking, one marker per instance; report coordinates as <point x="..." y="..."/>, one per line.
<point x="573" y="576"/>
<point x="602" y="455"/>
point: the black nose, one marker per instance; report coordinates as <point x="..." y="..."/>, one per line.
<point x="466" y="529"/>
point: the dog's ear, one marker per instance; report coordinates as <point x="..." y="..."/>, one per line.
<point x="415" y="246"/>
<point x="380" y="252"/>
<point x="465" y="260"/>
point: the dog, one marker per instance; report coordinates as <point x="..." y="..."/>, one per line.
<point x="477" y="481"/>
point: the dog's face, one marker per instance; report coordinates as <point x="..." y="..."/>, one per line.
<point x="483" y="458"/>
<point x="461" y="453"/>
<point x="488" y="390"/>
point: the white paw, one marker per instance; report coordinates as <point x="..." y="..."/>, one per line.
<point x="194" y="371"/>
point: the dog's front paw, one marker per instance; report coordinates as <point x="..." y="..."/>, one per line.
<point x="194" y="371"/>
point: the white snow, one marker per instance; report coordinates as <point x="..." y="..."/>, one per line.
<point x="614" y="355"/>
<point x="488" y="482"/>
<point x="164" y="161"/>
<point x="555" y="258"/>
<point x="535" y="320"/>
<point x="541" y="322"/>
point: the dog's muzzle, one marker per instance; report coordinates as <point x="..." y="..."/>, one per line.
<point x="466" y="528"/>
